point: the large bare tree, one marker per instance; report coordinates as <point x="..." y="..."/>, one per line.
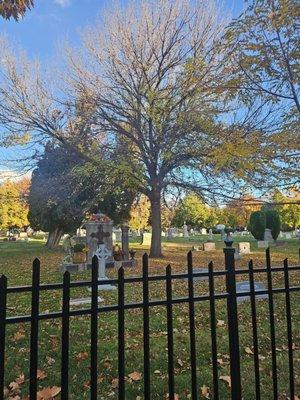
<point x="148" y="69"/>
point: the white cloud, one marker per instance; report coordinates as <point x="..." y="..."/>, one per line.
<point x="63" y="3"/>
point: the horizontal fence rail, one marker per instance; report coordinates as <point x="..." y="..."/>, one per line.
<point x="231" y="296"/>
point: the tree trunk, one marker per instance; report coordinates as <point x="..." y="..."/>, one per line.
<point x="155" y="250"/>
<point x="125" y="241"/>
<point x="54" y="238"/>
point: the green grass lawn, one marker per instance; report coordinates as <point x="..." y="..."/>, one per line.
<point x="15" y="263"/>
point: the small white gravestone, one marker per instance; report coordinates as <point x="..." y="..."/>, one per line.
<point x="204" y="231"/>
<point x="210" y="234"/>
<point x="103" y="254"/>
<point x="268" y="236"/>
<point x="147" y="236"/>
<point x="185" y="231"/>
<point x="244" y="248"/>
<point x="209" y="246"/>
<point x="118" y="234"/>
<point x="288" y="235"/>
<point x="163" y="234"/>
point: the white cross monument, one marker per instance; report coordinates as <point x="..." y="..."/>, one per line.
<point x="102" y="253"/>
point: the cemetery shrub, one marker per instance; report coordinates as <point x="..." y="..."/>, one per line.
<point x="257" y="224"/>
<point x="78" y="248"/>
<point x="273" y="222"/>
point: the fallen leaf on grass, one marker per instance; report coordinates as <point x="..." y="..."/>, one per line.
<point x="135" y="376"/>
<point x="227" y="379"/>
<point x="41" y="374"/>
<point x="180" y="362"/>
<point x="115" y="383"/>
<point x="176" y="397"/>
<point x="14" y="386"/>
<point x="48" y="393"/>
<point x="205" y="391"/>
<point x="20" y="379"/>
<point x="248" y="350"/>
<point x="82" y="356"/>
<point x="18" y="336"/>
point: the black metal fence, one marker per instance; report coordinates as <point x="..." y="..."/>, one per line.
<point x="231" y="296"/>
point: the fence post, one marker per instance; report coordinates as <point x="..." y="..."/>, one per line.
<point x="233" y="332"/>
<point x="3" y="299"/>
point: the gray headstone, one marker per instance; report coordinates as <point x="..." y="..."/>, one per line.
<point x="200" y="278"/>
<point x="262" y="244"/>
<point x="268" y="236"/>
<point x="98" y="232"/>
<point x="244" y="287"/>
<point x="83" y="300"/>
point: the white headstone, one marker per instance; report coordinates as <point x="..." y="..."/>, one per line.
<point x="118" y="234"/>
<point x="204" y="231"/>
<point x="185" y="231"/>
<point x="147" y="236"/>
<point x="102" y="253"/>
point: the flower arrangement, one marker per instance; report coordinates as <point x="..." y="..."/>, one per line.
<point x="80" y="248"/>
<point x="118" y="253"/>
<point x="99" y="218"/>
<point x="79" y="253"/>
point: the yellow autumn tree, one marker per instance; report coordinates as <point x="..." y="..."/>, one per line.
<point x="13" y="204"/>
<point x="140" y="213"/>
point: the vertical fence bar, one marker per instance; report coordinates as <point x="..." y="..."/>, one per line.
<point x="146" y="328"/>
<point x="65" y="337"/>
<point x="192" y="326"/>
<point x="94" y="328"/>
<point x="170" y="333"/>
<point x="3" y="300"/>
<point x="213" y="330"/>
<point x="254" y="331"/>
<point x="272" y="325"/>
<point x="35" y="297"/>
<point x="233" y="332"/>
<point x="289" y="328"/>
<point x="121" y="334"/>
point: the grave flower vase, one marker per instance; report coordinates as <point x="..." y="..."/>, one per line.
<point x="79" y="258"/>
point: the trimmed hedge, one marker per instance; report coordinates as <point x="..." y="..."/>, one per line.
<point x="260" y="220"/>
<point x="257" y="224"/>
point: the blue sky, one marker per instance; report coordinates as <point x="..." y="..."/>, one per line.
<point x="50" y="22"/>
